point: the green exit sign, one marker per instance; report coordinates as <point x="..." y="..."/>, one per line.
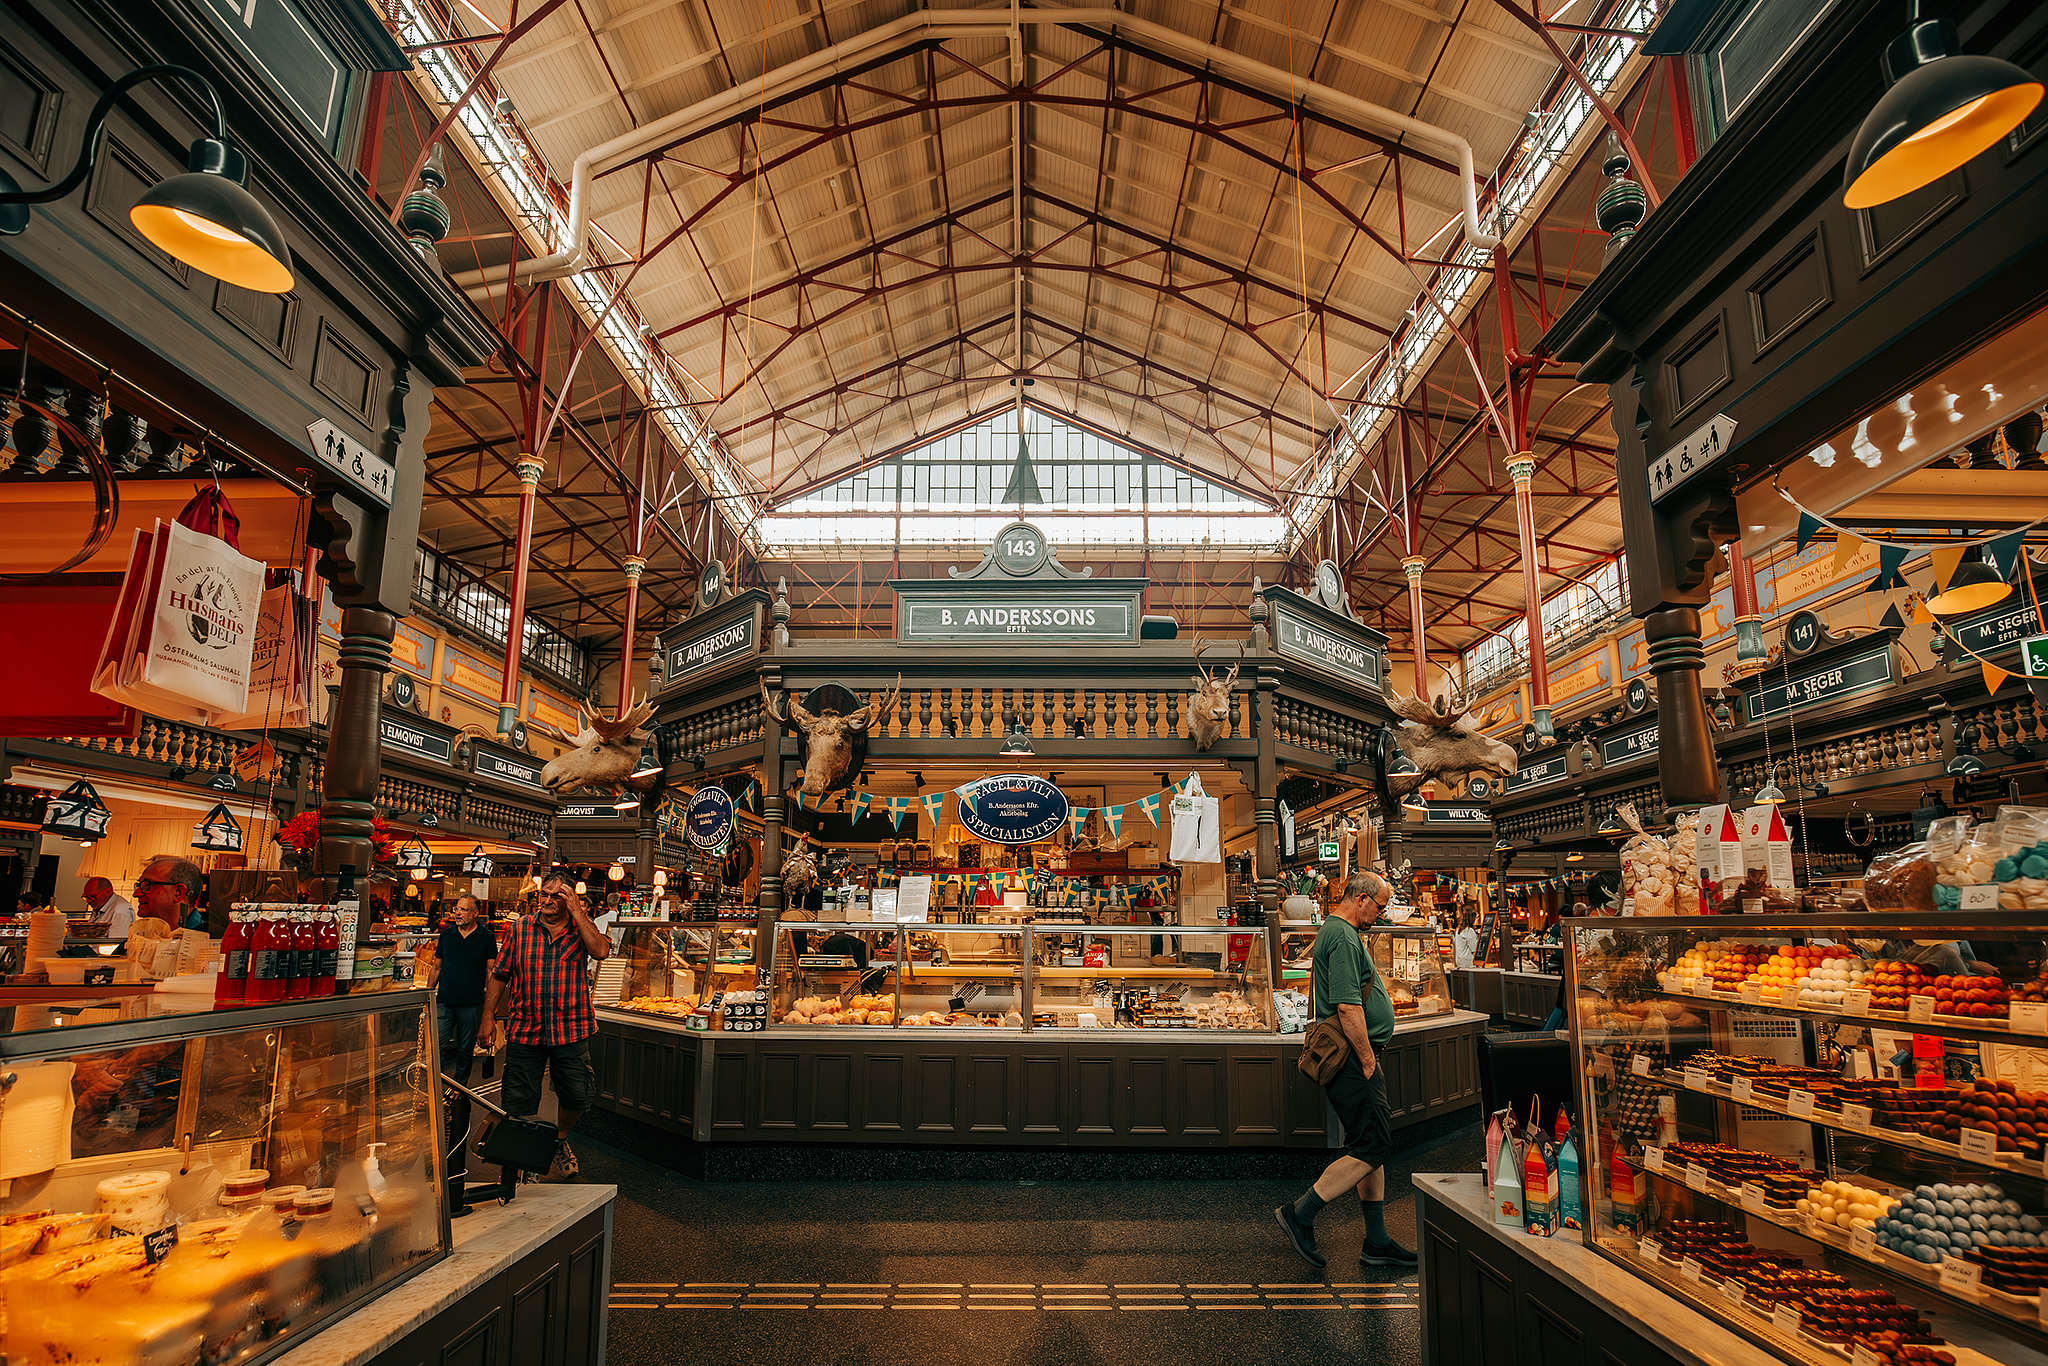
<point x="2034" y="656"/>
<point x="1329" y="851"/>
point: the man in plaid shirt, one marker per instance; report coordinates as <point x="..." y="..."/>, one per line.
<point x="543" y="968"/>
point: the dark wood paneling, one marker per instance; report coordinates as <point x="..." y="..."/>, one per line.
<point x="776" y="1070"/>
<point x="883" y="1078"/>
<point x="1094" y="1095"/>
<point x="991" y="1085"/>
<point x="935" y="1092"/>
<point x="729" y="1089"/>
<point x="1204" y="1095"/>
<point x="536" y="1329"/>
<point x="1257" y="1100"/>
<point x="1044" y="1092"/>
<point x="1443" y="1309"/>
<point x="1148" y="1096"/>
<point x="831" y="1092"/>
<point x="1557" y="1342"/>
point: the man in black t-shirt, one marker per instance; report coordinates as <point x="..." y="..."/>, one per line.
<point x="461" y="962"/>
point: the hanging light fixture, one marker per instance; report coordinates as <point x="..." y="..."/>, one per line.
<point x="218" y="831"/>
<point x="650" y="762"/>
<point x="627" y="801"/>
<point x="419" y="875"/>
<point x="476" y="863"/>
<point x="204" y="218"/>
<point x="1770" y="794"/>
<point x="1976" y="584"/>
<point x="415" y="855"/>
<point x="1943" y="108"/>
<point x="582" y="889"/>
<point x="616" y="873"/>
<point x="660" y="878"/>
<point x="77" y="812"/>
<point x="1575" y="857"/>
<point x="1612" y="827"/>
<point x="1018" y="741"/>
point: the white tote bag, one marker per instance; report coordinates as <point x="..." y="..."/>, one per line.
<point x="119" y="673"/>
<point x="202" y="623"/>
<point x="277" y="685"/>
<point x="1197" y="825"/>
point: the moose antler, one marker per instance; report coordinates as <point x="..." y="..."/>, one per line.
<point x="769" y="703"/>
<point x="876" y="711"/>
<point x="628" y="721"/>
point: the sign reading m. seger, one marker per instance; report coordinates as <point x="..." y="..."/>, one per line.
<point x="1049" y="617"/>
<point x="1299" y="636"/>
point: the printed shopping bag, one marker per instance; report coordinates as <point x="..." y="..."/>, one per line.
<point x="202" y="622"/>
<point x="277" y="684"/>
<point x="1197" y="825"/>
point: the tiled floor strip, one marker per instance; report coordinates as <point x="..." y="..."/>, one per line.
<point x="1018" y="1296"/>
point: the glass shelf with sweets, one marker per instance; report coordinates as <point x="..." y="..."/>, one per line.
<point x="1151" y="977"/>
<point x="673" y="969"/>
<point x="1412" y="963"/>
<point x="1827" y="1134"/>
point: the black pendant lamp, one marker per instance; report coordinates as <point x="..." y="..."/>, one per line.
<point x="1976" y="585"/>
<point x="204" y="218"/>
<point x="1943" y="108"/>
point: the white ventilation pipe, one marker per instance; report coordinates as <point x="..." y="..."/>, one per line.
<point x="945" y="24"/>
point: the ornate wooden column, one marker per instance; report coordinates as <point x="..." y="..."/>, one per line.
<point x="354" y="742"/>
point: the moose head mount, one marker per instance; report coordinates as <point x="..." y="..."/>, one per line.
<point x="1208" y="713"/>
<point x="1444" y="742"/>
<point x="604" y="756"/>
<point x="832" y="741"/>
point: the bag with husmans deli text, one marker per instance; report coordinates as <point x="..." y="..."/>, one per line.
<point x="183" y="637"/>
<point x="279" y="669"/>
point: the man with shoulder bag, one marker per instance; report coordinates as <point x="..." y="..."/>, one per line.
<point x="1354" y="1019"/>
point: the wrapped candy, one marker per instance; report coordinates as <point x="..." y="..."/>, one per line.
<point x="1647" y="877"/>
<point x="1685" y="866"/>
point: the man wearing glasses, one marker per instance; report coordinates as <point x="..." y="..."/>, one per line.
<point x="539" y="1003"/>
<point x="1345" y="983"/>
<point x="170" y="889"/>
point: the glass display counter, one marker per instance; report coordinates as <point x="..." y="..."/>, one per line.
<point x="213" y="1187"/>
<point x="670" y="968"/>
<point x="1412" y="963"/>
<point x="1162" y="977"/>
<point x="1828" y="1136"/>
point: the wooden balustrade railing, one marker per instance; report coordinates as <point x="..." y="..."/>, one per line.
<point x="1880" y="749"/>
<point x="176" y="744"/>
<point x="722" y="727"/>
<point x="1096" y="713"/>
<point x="1307" y="726"/>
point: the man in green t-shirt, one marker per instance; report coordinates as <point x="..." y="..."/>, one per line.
<point x="1344" y="983"/>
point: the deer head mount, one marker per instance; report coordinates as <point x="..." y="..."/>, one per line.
<point x="830" y="739"/>
<point x="1444" y="741"/>
<point x="1208" y="711"/>
<point x="604" y="756"/>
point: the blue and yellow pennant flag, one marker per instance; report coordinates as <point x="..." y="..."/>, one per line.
<point x="1077" y="816"/>
<point x="897" y="806"/>
<point x="860" y="806"/>
<point x="934" y="803"/>
<point x="1114" y="816"/>
<point x="1150" y="806"/>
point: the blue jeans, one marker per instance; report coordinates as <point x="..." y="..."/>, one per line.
<point x="458" y="1025"/>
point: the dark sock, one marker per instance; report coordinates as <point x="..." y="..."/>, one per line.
<point x="1306" y="1207"/>
<point x="1375" y="1212"/>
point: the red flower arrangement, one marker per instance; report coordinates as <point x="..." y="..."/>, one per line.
<point x="299" y="841"/>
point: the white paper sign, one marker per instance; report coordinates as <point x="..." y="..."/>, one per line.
<point x="913" y="900"/>
<point x="1752" y="993"/>
<point x="1752" y="1197"/>
<point x="1785" y="1319"/>
<point x="1653" y="1158"/>
<point x="2030" y="1017"/>
<point x="1979" y="1143"/>
<point x="1863" y="1356"/>
<point x="1733" y="1290"/>
<point x="1959" y="1277"/>
<point x="1696" y="1177"/>
<point x="1856" y="1002"/>
<point x="882" y="904"/>
<point x="1920" y="1009"/>
<point x="1648" y="1249"/>
<point x="1741" y="1089"/>
<point x="1690" y="985"/>
<point x="1689" y="1269"/>
<point x="1981" y="898"/>
<point x="1863" y="1242"/>
<point x="1856" y="1116"/>
<point x="1800" y="1103"/>
<point x="1639" y="1066"/>
<point x="1695" y="1078"/>
<point x="1718" y="844"/>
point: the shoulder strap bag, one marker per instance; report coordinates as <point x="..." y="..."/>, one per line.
<point x="1325" y="1048"/>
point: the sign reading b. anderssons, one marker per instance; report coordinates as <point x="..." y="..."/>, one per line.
<point x="1313" y="637"/>
<point x="733" y="640"/>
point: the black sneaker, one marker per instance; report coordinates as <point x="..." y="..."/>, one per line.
<point x="565" y="1159"/>
<point x="1388" y="1254"/>
<point x="1303" y="1238"/>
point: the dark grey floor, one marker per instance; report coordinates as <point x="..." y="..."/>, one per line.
<point x="1182" y="1272"/>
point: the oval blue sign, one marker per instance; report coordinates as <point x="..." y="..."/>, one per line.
<point x="1013" y="808"/>
<point x="708" y="820"/>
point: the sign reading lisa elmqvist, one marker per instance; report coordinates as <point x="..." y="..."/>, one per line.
<point x="493" y="762"/>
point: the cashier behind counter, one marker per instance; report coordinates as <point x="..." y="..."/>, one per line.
<point x="846" y="944"/>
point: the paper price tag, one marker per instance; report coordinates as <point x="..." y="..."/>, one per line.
<point x="155" y="1246"/>
<point x="1863" y="1356"/>
<point x="1690" y="985"/>
<point x="1752" y="1197"/>
<point x="1980" y="1143"/>
<point x="1653" y="1158"/>
<point x="1649" y="1249"/>
<point x="1920" y="1009"/>
<point x="1689" y="1269"/>
<point x="1863" y="1242"/>
<point x="1696" y="1177"/>
<point x="1959" y="1277"/>
<point x="1740" y="1089"/>
<point x="1981" y="898"/>
<point x="1785" y="1319"/>
<point x="1856" y="1116"/>
<point x="1856" y="1003"/>
<point x="1639" y="1066"/>
<point x="1695" y="1079"/>
<point x="1752" y="993"/>
<point x="2030" y="1017"/>
<point x="1800" y="1103"/>
<point x="1733" y="1291"/>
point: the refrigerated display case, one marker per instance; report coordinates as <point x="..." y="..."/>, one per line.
<point x="662" y="967"/>
<point x="216" y="1185"/>
<point x="1176" y="978"/>
<point x="1822" y="1134"/>
<point x="1412" y="962"/>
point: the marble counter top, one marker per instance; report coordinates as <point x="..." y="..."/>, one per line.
<point x="487" y="1241"/>
<point x="1687" y="1335"/>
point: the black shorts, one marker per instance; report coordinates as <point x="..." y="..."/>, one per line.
<point x="569" y="1073"/>
<point x="1361" y="1105"/>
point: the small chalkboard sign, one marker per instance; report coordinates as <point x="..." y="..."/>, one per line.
<point x="100" y="977"/>
<point x="156" y="1246"/>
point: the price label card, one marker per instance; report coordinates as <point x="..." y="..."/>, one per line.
<point x="1752" y="993"/>
<point x="1649" y="1249"/>
<point x="1639" y="1066"/>
<point x="1733" y="1290"/>
<point x="1863" y="1356"/>
<point x="1696" y="1177"/>
<point x="1959" y="1277"/>
<point x="1752" y="1197"/>
<point x="1856" y="1116"/>
<point x="2030" y="1017"/>
<point x="1856" y="1002"/>
<point x="1695" y="1079"/>
<point x="1785" y="1319"/>
<point x="155" y="1246"/>
<point x="1690" y="985"/>
<point x="1689" y="1269"/>
<point x="1981" y="898"/>
<point x="1800" y="1103"/>
<point x="1863" y="1242"/>
<point x="1739" y="1087"/>
<point x="1980" y="1143"/>
<point x="1653" y="1158"/>
<point x="1920" y="1009"/>
<point x="1809" y="1225"/>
